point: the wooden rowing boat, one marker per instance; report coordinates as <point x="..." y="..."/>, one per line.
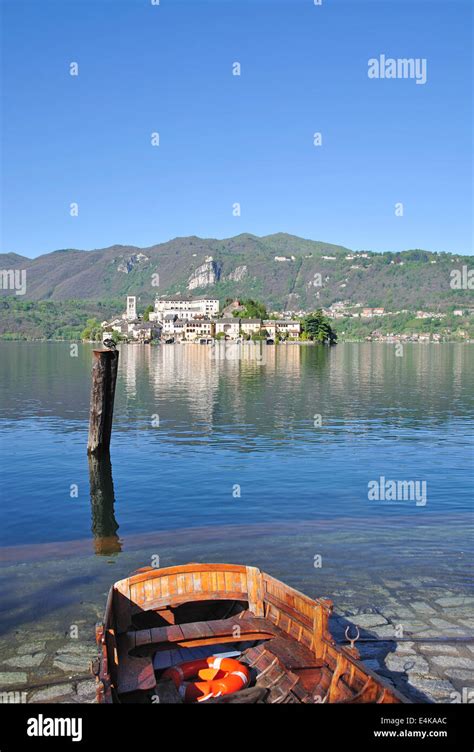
<point x="157" y="617"/>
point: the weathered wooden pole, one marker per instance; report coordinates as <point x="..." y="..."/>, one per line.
<point x="104" y="376"/>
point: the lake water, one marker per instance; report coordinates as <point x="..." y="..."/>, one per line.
<point x="262" y="458"/>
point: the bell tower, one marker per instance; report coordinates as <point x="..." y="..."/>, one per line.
<point x="131" y="313"/>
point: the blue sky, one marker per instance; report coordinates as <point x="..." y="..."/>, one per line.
<point x="227" y="139"/>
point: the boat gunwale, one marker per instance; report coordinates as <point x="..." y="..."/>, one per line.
<point x="154" y="572"/>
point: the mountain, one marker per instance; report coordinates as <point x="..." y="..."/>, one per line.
<point x="283" y="271"/>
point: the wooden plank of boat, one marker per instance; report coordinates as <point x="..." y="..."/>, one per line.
<point x="271" y="673"/>
<point x="135" y="673"/>
<point x="233" y="629"/>
<point x="255" y="591"/>
<point x="298" y="662"/>
<point x="196" y="631"/>
<point x="293" y="655"/>
<point x="245" y="696"/>
<point x="173" y="633"/>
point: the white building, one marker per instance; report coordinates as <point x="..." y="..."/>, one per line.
<point x="250" y="326"/>
<point x="144" y="331"/>
<point x="230" y="327"/>
<point x="368" y="313"/>
<point x="197" y="328"/>
<point x="184" y="308"/>
<point x="186" y="329"/>
<point x="282" y="328"/>
<point x="179" y="329"/>
<point x="131" y="312"/>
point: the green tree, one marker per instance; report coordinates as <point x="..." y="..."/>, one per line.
<point x="149" y="309"/>
<point x="252" y="310"/>
<point x="92" y="331"/>
<point x="316" y="326"/>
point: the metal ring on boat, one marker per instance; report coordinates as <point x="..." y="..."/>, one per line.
<point x="222" y="676"/>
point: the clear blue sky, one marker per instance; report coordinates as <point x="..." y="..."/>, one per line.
<point x="226" y="139"/>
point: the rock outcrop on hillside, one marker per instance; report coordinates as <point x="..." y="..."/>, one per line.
<point x="315" y="275"/>
<point x="206" y="275"/>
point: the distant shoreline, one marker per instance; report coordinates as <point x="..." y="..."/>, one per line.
<point x="305" y="343"/>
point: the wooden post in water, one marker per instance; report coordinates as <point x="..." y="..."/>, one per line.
<point x="104" y="376"/>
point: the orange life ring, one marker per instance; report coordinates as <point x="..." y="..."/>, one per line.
<point x="220" y="676"/>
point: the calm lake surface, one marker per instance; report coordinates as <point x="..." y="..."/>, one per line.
<point x="263" y="460"/>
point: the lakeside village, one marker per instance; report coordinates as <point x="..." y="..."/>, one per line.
<point x="177" y="319"/>
<point x="200" y="320"/>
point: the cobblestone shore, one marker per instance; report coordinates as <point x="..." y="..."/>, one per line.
<point x="425" y="648"/>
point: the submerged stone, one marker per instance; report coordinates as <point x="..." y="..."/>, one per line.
<point x="51" y="693"/>
<point x="435" y="648"/>
<point x="12" y="677"/>
<point x="31" y="647"/>
<point x="25" y="661"/>
<point x="456" y="600"/>
<point x="74" y="657"/>
<point x="408" y="664"/>
<point x="451" y="661"/>
<point x="423" y="608"/>
<point x="405" y="648"/>
<point x="385" y="631"/>
<point x="438" y="689"/>
<point x="458" y="673"/>
<point x="368" y="620"/>
<point x="86" y="691"/>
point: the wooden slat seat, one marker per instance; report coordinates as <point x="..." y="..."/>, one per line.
<point x="233" y="629"/>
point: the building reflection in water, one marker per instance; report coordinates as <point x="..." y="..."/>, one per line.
<point x="104" y="524"/>
<point x="130" y="355"/>
<point x="198" y="389"/>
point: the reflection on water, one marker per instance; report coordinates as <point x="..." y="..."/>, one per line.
<point x="358" y="381"/>
<point x="104" y="524"/>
